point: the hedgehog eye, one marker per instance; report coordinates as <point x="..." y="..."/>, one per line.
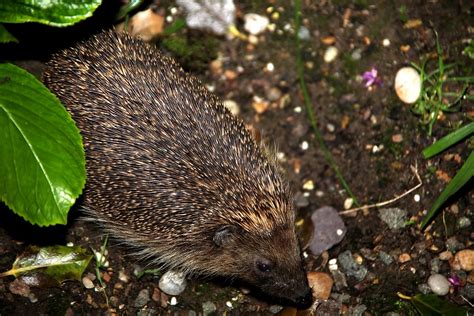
<point x="264" y="266"/>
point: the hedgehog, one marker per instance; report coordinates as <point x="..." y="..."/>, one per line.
<point x="173" y="173"/>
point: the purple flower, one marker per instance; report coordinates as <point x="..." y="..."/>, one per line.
<point x="371" y="78"/>
<point x="454" y="280"/>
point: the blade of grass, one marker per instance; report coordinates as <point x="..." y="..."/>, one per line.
<point x="460" y="179"/>
<point x="309" y="108"/>
<point x="448" y="140"/>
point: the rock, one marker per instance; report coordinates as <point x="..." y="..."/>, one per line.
<point x="232" y="106"/>
<point x="142" y="299"/>
<point x="321" y="284"/>
<point x="255" y="24"/>
<point x="463" y="222"/>
<point x="208" y="307"/>
<point x="408" y="85"/>
<point x="394" y="217"/>
<point x="19" y="287"/>
<point x="329" y="229"/>
<point x="172" y="282"/>
<point x="88" y="284"/>
<point x="350" y="267"/>
<point x="386" y="258"/>
<point x="424" y="288"/>
<point x="330" y="54"/>
<point x="303" y="33"/>
<point x="468" y="292"/>
<point x="273" y="94"/>
<point x="438" y="284"/>
<point x="464" y="260"/>
<point x="404" y="257"/>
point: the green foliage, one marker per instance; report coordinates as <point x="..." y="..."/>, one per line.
<point x="5" y="36"/>
<point x="430" y="305"/>
<point x="462" y="177"/>
<point x="42" y="161"/>
<point x="56" y="13"/>
<point x="433" y="97"/>
<point x="49" y="266"/>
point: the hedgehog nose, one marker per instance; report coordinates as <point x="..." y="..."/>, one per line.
<point x="305" y="300"/>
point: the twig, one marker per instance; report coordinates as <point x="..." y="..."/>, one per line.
<point x="420" y="183"/>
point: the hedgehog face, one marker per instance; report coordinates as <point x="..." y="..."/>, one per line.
<point x="273" y="264"/>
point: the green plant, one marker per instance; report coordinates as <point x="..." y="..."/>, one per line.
<point x="433" y="98"/>
<point x="463" y="176"/>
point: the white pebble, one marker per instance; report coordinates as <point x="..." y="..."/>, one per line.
<point x="348" y="203"/>
<point x="408" y="85"/>
<point x="88" y="284"/>
<point x="330" y="54"/>
<point x="308" y="185"/>
<point x="270" y="67"/>
<point x="70" y="244"/>
<point x="417" y="198"/>
<point x="386" y="42"/>
<point x="173" y="301"/>
<point x="172" y="282"/>
<point x="232" y="106"/>
<point x="229" y="304"/>
<point x="339" y="232"/>
<point x="297" y="109"/>
<point x="255" y="24"/>
<point x="304" y="145"/>
<point x="438" y="284"/>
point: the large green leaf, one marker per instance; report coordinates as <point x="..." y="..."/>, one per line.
<point x="42" y="161"/>
<point x="449" y="140"/>
<point x="57" y="13"/>
<point x="5" y="36"/>
<point x="50" y="266"/>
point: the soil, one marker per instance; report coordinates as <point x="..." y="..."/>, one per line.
<point x="373" y="137"/>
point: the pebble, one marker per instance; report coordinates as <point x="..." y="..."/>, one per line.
<point x="330" y="54"/>
<point x="438" y="284"/>
<point x="350" y="267"/>
<point x="274" y="309"/>
<point x="19" y="287"/>
<point x="356" y="54"/>
<point x="464" y="260"/>
<point x="328" y="229"/>
<point x="445" y="255"/>
<point x="453" y="245"/>
<point x="274" y="94"/>
<point x="408" y="85"/>
<point x="88" y="284"/>
<point x="468" y="292"/>
<point x="123" y="276"/>
<point x="142" y="299"/>
<point x="463" y="222"/>
<point x="386" y="42"/>
<point x="255" y="23"/>
<point x="308" y="185"/>
<point x="385" y="257"/>
<point x="358" y="310"/>
<point x="435" y="264"/>
<point x="348" y="203"/>
<point x="208" y="307"/>
<point x="304" y="145"/>
<point x="417" y="198"/>
<point x="232" y="106"/>
<point x="321" y="283"/>
<point x="173" y="301"/>
<point x="394" y="217"/>
<point x="397" y="138"/>
<point x="172" y="282"/>
<point x="303" y="33"/>
<point x="424" y="288"/>
<point x="404" y="257"/>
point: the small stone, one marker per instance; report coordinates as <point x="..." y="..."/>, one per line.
<point x="106" y="277"/>
<point x="274" y="94"/>
<point x="435" y="264"/>
<point x="385" y="257"/>
<point x="356" y="54"/>
<point x="172" y="282"/>
<point x="208" y="307"/>
<point x="453" y="245"/>
<point x="156" y="296"/>
<point x="328" y="229"/>
<point x="404" y="257"/>
<point x="350" y="267"/>
<point x="331" y="128"/>
<point x="395" y="218"/>
<point x="397" y="138"/>
<point x="274" y="309"/>
<point x="304" y="145"/>
<point x="464" y="260"/>
<point x="468" y="292"/>
<point x="123" y="276"/>
<point x="438" y="284"/>
<point x="408" y="85"/>
<point x="330" y="54"/>
<point x="303" y="33"/>
<point x="142" y="299"/>
<point x="88" y="284"/>
<point x="463" y="222"/>
<point x="424" y="288"/>
<point x="255" y="24"/>
<point x="417" y="198"/>
<point x="269" y="67"/>
<point x="19" y="287"/>
<point x="230" y="74"/>
<point x="348" y="203"/>
<point x="173" y="301"/>
<point x="386" y="42"/>
<point x="308" y="185"/>
<point x="259" y="105"/>
<point x="445" y="255"/>
<point x="232" y="106"/>
<point x="321" y="284"/>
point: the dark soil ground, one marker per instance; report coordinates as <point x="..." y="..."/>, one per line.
<point x="352" y="119"/>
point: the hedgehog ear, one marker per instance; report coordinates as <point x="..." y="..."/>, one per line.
<point x="224" y="235"/>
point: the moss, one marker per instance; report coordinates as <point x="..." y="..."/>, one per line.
<point x="193" y="52"/>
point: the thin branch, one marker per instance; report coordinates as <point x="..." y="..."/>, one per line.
<point x="398" y="197"/>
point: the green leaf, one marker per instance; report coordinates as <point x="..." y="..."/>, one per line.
<point x="5" y="36"/>
<point x="449" y="140"/>
<point x="49" y="266"/>
<point x="177" y="26"/>
<point x="433" y="305"/>
<point x="460" y="179"/>
<point x="42" y="161"/>
<point x="56" y="13"/>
